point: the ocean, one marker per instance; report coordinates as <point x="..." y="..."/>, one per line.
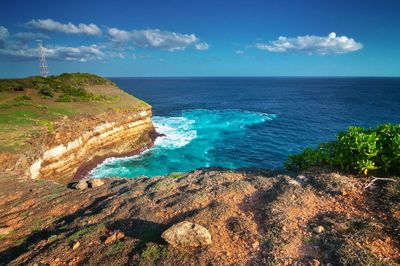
<point x="248" y="122"/>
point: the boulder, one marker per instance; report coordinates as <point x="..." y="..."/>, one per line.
<point x="96" y="182"/>
<point x="81" y="185"/>
<point x="186" y="234"/>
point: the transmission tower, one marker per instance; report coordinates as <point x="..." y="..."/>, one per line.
<point x="44" y="71"/>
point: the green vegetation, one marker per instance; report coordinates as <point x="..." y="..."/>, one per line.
<point x="22" y="97"/>
<point x="30" y="106"/>
<point x="116" y="247"/>
<point x="357" y="149"/>
<point x="153" y="253"/>
<point x="54" y="238"/>
<point x="71" y="86"/>
<point x="176" y="175"/>
<point x="90" y="229"/>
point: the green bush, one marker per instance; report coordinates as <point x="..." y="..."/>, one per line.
<point x="22" y="97"/>
<point x="357" y="149"/>
<point x="64" y="98"/>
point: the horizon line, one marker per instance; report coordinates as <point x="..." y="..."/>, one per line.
<point x="291" y="76"/>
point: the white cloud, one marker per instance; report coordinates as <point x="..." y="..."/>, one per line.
<point x="117" y="55"/>
<point x="311" y="44"/>
<point x="240" y="52"/>
<point x="155" y="38"/>
<point x="202" y="46"/>
<point x="28" y="36"/>
<point x="69" y="28"/>
<point x="3" y="33"/>
<point x="80" y="53"/>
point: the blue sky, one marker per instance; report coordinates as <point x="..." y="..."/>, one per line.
<point x="202" y="38"/>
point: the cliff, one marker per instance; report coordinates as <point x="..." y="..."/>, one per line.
<point x="59" y="124"/>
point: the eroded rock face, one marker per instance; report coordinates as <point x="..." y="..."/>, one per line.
<point x="120" y="133"/>
<point x="187" y="234"/>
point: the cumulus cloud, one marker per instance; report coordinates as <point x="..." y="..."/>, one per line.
<point x="3" y="33"/>
<point x="80" y="53"/>
<point x="69" y="28"/>
<point x="239" y="52"/>
<point x="311" y="44"/>
<point x="155" y="38"/>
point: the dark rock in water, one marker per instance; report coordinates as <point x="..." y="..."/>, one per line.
<point x="186" y="234"/>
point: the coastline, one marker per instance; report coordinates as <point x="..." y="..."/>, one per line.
<point x="84" y="169"/>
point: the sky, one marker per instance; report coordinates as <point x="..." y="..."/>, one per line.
<point x="202" y="38"/>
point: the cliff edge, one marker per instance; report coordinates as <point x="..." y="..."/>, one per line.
<point x="51" y="127"/>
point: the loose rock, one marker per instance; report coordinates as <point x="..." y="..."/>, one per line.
<point x="114" y="237"/>
<point x="81" y="185"/>
<point x="186" y="234"/>
<point x="5" y="230"/>
<point x="319" y="229"/>
<point x="96" y="182"/>
<point x="76" y="245"/>
<point x="255" y="245"/>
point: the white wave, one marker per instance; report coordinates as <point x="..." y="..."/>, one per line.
<point x="177" y="131"/>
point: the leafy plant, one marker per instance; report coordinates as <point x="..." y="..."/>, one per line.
<point x="357" y="149"/>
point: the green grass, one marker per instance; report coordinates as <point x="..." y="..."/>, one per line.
<point x="90" y="229"/>
<point x="116" y="247"/>
<point x="30" y="106"/>
<point x="53" y="238"/>
<point x="23" y="97"/>
<point x="176" y="175"/>
<point x="153" y="253"/>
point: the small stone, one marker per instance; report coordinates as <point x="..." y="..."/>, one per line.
<point x="114" y="237"/>
<point x="81" y="185"/>
<point x="315" y="262"/>
<point x="187" y="234"/>
<point x="5" y="230"/>
<point x="76" y="245"/>
<point x="255" y="245"/>
<point x="97" y="182"/>
<point x="319" y="229"/>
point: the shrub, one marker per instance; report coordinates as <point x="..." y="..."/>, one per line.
<point x="64" y="98"/>
<point x="22" y="97"/>
<point x="357" y="149"/>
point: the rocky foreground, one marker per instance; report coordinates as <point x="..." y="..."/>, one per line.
<point x="320" y="217"/>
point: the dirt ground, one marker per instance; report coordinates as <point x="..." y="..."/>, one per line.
<point x="320" y="217"/>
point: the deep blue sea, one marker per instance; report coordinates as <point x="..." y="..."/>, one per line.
<point x="248" y="122"/>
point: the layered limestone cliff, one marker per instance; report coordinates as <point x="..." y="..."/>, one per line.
<point x="113" y="134"/>
<point x="58" y="127"/>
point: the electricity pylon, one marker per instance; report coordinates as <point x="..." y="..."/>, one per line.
<point x="44" y="71"/>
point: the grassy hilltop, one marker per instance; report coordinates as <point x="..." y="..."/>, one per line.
<point x="29" y="106"/>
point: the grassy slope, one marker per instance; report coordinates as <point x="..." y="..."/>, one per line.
<point x="29" y="106"/>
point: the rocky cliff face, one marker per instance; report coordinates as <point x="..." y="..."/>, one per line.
<point x="77" y="141"/>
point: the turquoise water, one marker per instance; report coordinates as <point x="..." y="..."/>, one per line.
<point x="249" y="122"/>
<point x="189" y="142"/>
